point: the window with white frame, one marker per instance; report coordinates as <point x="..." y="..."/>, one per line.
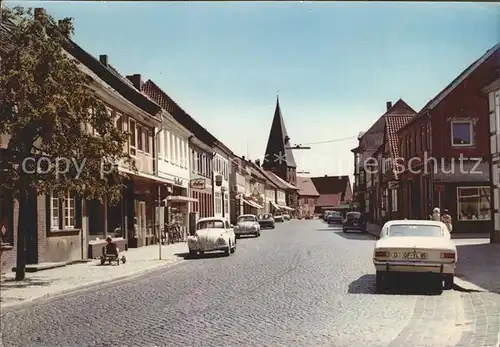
<point x="171" y="147"/>
<point x="394" y="194"/>
<point x="62" y="212"/>
<point x="133" y="137"/>
<point x="218" y="203"/>
<point x="462" y="133"/>
<point x="473" y="203"/>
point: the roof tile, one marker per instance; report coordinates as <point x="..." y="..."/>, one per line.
<point x="306" y="187"/>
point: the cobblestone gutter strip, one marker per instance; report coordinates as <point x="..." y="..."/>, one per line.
<point x="482" y="311"/>
<point x="21" y="302"/>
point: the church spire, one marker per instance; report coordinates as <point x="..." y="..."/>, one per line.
<point x="278" y="152"/>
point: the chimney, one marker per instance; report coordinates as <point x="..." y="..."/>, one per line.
<point x="136" y="80"/>
<point x="326" y="175"/>
<point x="388" y="105"/>
<point x="103" y="58"/>
<point x="257" y="162"/>
<point x="243" y="158"/>
<point x="39" y="12"/>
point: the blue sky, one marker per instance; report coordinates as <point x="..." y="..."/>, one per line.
<point x="334" y="64"/>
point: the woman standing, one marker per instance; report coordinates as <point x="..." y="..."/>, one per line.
<point x="447" y="220"/>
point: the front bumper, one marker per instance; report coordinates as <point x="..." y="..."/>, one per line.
<point x="245" y="232"/>
<point x="266" y="225"/>
<point x="197" y="246"/>
<point x="414" y="266"/>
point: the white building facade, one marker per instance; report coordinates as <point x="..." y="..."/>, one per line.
<point x="493" y="91"/>
<point x="221" y="169"/>
<point x="173" y="162"/>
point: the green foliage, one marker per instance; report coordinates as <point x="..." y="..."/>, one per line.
<point x="44" y="105"/>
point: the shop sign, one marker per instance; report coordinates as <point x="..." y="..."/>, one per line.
<point x="198" y="183"/>
<point x="178" y="181"/>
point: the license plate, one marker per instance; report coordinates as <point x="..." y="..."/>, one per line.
<point x="414" y="255"/>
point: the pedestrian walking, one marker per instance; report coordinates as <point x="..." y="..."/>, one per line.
<point x="436" y="214"/>
<point x="447" y="220"/>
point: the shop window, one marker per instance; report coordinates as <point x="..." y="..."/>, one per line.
<point x="462" y="133"/>
<point x="62" y="212"/>
<point x="473" y="203"/>
<point x="218" y="203"/>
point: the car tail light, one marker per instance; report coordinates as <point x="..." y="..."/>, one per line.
<point x="381" y="254"/>
<point x="448" y="255"/>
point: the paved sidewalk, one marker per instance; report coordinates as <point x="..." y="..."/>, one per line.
<point x="478" y="267"/>
<point x="70" y="278"/>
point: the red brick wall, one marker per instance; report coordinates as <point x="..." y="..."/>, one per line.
<point x="466" y="100"/>
<point x="8" y="256"/>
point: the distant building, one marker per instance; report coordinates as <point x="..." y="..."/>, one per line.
<point x="335" y="193"/>
<point x="308" y="195"/>
<point x="279" y="158"/>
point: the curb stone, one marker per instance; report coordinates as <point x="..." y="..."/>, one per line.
<point x="14" y="306"/>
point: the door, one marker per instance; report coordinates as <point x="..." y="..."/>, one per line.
<point x="140" y="225"/>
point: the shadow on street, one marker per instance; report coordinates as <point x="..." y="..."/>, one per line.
<point x="404" y="286"/>
<point x="480" y="264"/>
<point x="10" y="283"/>
<point x="355" y="235"/>
<point x="210" y="255"/>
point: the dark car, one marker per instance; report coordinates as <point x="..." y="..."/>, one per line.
<point x="334" y="218"/>
<point x="266" y="220"/>
<point x="354" y="221"/>
<point x="325" y="215"/>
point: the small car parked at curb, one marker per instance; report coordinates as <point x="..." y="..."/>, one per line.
<point x="334" y="218"/>
<point x="354" y="222"/>
<point x="247" y="224"/>
<point x="212" y="234"/>
<point x="278" y="218"/>
<point x="266" y="221"/>
<point x="415" y="247"/>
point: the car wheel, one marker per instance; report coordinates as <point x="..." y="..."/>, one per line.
<point x="201" y="253"/>
<point x="237" y="236"/>
<point x="227" y="252"/>
<point x="448" y="282"/>
<point x="234" y="248"/>
<point x="192" y="253"/>
<point x="381" y="282"/>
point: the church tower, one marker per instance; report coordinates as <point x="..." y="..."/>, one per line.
<point x="279" y="157"/>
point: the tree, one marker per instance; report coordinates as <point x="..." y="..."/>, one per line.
<point x="46" y="106"/>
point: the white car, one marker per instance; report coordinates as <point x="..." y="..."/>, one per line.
<point x="212" y="234"/>
<point x="411" y="246"/>
<point x="247" y="224"/>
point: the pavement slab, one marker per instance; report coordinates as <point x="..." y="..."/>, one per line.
<point x="61" y="280"/>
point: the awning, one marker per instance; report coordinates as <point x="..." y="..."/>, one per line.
<point x="178" y="198"/>
<point x="286" y="207"/>
<point x="251" y="203"/>
<point x="275" y="205"/>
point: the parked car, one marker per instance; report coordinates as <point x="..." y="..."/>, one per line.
<point x="286" y="217"/>
<point x="354" y="221"/>
<point x="212" y="234"/>
<point x="415" y="246"/>
<point x="266" y="221"/>
<point x="247" y="224"/>
<point x="326" y="214"/>
<point x="278" y="218"/>
<point x="334" y="218"/>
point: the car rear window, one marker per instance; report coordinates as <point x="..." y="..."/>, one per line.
<point x="353" y="215"/>
<point x="415" y="230"/>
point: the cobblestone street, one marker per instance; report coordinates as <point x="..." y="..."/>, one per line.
<point x="301" y="284"/>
